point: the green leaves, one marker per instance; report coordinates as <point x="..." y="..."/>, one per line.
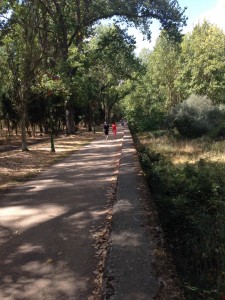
<point x="202" y="62"/>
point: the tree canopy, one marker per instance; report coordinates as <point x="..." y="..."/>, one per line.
<point x="45" y="43"/>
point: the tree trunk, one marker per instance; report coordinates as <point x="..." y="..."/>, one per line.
<point x="70" y="125"/>
<point x="23" y="131"/>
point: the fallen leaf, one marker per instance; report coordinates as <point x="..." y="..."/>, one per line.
<point x="99" y="252"/>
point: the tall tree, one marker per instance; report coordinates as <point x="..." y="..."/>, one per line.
<point x="164" y="69"/>
<point x="72" y="22"/>
<point x="23" y="56"/>
<point x="68" y="22"/>
<point x="112" y="62"/>
<point x="202" y="63"/>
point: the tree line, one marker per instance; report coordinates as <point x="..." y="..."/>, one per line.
<point x="183" y="84"/>
<point x="54" y="57"/>
<point x="177" y="113"/>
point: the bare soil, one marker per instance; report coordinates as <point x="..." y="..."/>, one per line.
<point x="17" y="165"/>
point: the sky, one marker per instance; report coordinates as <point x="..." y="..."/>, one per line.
<point x="197" y="11"/>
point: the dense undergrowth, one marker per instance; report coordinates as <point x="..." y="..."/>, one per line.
<point x="187" y="181"/>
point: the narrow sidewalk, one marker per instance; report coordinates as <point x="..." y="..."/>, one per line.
<point x="138" y="266"/>
<point x="129" y="270"/>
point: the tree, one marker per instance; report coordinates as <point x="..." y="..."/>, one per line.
<point x="9" y="113"/>
<point x="197" y="116"/>
<point x="202" y="64"/>
<point x="112" y="62"/>
<point x="75" y="18"/>
<point x="164" y="68"/>
<point x="154" y="92"/>
<point x="62" y="25"/>
<point x="71" y="21"/>
<point x="23" y="57"/>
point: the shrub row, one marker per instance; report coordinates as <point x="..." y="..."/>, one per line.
<point x="191" y="202"/>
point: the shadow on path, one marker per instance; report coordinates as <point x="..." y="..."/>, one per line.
<point x="46" y="243"/>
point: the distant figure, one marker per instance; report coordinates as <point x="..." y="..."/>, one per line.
<point x="122" y="121"/>
<point x="114" y="129"/>
<point x="106" y="130"/>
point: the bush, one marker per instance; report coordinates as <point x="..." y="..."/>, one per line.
<point x="196" y="117"/>
<point x="140" y="120"/>
<point x="191" y="204"/>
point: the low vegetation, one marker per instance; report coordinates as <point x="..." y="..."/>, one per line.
<point x="187" y="180"/>
<point x="198" y="116"/>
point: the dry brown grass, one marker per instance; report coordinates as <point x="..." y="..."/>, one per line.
<point x="183" y="151"/>
<point x="16" y="166"/>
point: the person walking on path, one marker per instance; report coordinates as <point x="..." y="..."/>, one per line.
<point x="106" y="130"/>
<point x="114" y="129"/>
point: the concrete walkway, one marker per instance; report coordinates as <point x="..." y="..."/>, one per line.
<point x="129" y="264"/>
<point x="48" y="229"/>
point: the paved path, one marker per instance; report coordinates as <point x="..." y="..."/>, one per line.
<point x="46" y="229"/>
<point x="129" y="264"/>
<point x="46" y="247"/>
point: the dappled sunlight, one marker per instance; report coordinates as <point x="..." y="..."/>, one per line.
<point x="98" y="214"/>
<point x="47" y="184"/>
<point x="216" y="158"/>
<point x="48" y="223"/>
<point x="79" y="220"/>
<point x="129" y="151"/>
<point x="185" y="151"/>
<point x="126" y="238"/>
<point x="20" y="218"/>
<point x="104" y="143"/>
<point x="28" y="248"/>
<point x="53" y="237"/>
<point x="124" y="205"/>
<point x="54" y="280"/>
<point x="194" y="156"/>
<point x="82" y="219"/>
<point x="16" y="164"/>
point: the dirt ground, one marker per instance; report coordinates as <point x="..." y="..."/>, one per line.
<point x="17" y="166"/>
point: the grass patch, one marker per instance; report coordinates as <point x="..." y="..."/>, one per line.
<point x="187" y="180"/>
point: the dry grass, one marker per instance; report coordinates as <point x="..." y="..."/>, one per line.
<point x="16" y="166"/>
<point x="183" y="151"/>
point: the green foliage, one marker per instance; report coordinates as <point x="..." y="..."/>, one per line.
<point x="202" y="64"/>
<point x="176" y="71"/>
<point x="110" y="63"/>
<point x="8" y="110"/>
<point x="140" y="13"/>
<point x="162" y="68"/>
<point x="139" y="121"/>
<point x="154" y="93"/>
<point x="190" y="199"/>
<point x="45" y="39"/>
<point x="197" y="116"/>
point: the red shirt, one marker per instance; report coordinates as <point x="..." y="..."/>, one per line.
<point x="114" y="127"/>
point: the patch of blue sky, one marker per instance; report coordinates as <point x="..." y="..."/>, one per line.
<point x="197" y="11"/>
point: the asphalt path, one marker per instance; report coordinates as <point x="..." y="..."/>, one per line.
<point x="47" y="225"/>
<point x="82" y="230"/>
